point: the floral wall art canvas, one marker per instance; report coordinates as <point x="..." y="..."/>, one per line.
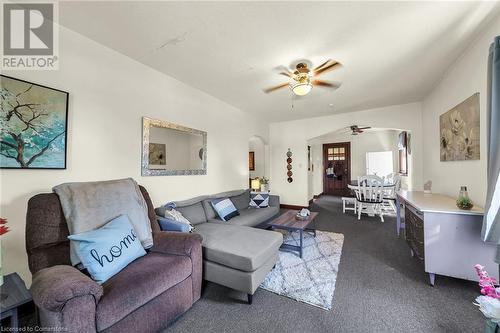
<point x="459" y="131"/>
<point x="33" y="124"/>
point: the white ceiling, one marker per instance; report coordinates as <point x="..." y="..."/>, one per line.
<point x="392" y="52"/>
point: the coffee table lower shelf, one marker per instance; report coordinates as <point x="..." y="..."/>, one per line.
<point x="288" y="222"/>
<point x="299" y="248"/>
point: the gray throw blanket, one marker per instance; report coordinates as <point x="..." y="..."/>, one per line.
<point x="90" y="205"/>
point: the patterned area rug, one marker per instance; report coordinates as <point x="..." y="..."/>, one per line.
<point x="310" y="279"/>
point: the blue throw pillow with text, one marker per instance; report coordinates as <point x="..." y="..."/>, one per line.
<point x="107" y="250"/>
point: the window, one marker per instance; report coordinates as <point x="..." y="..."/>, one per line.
<point x="336" y="154"/>
<point x="379" y="163"/>
<point x="403" y="154"/>
<point x="403" y="162"/>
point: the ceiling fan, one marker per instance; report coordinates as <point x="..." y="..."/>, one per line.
<point x="355" y="129"/>
<point x="303" y="79"/>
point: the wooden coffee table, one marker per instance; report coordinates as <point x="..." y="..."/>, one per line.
<point x="287" y="221"/>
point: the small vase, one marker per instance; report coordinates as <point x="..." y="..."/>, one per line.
<point x="491" y="327"/>
<point x="463" y="192"/>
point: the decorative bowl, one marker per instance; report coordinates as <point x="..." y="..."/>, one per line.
<point x="300" y="217"/>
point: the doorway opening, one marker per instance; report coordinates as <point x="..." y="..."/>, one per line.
<point x="361" y="159"/>
<point x="258" y="152"/>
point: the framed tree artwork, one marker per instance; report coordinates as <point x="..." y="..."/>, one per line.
<point x="33" y="123"/>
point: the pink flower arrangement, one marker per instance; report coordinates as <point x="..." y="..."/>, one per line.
<point x="487" y="283"/>
<point x="3" y="228"/>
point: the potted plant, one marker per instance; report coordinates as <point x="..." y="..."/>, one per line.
<point x="463" y="201"/>
<point x="264" y="184"/>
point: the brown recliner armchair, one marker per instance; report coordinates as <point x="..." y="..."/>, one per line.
<point x="144" y="297"/>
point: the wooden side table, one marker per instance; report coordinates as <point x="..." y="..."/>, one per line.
<point x="14" y="294"/>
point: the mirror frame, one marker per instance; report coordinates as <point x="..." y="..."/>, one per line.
<point x="147" y="123"/>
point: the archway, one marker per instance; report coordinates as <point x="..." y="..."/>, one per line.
<point x="374" y="144"/>
<point x="258" y="158"/>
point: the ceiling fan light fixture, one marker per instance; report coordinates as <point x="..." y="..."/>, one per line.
<point x="301" y="89"/>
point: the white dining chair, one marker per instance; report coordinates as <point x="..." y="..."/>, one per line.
<point x="370" y="195"/>
<point x="393" y="184"/>
<point x="347" y="201"/>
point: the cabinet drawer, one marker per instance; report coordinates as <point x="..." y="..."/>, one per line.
<point x="414" y="225"/>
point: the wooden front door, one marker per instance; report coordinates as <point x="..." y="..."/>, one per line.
<point x="336" y="168"/>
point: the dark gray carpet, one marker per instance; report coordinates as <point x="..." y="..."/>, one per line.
<point x="379" y="289"/>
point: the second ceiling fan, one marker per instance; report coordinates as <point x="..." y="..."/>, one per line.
<point x="355" y="129"/>
<point x="303" y="79"/>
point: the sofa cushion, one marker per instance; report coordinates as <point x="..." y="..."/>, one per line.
<point x="252" y="217"/>
<point x="192" y="210"/>
<point x="239" y="247"/>
<point x="210" y="212"/>
<point x="240" y="199"/>
<point x="139" y="283"/>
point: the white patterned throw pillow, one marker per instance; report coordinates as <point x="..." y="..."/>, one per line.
<point x="259" y="199"/>
<point x="177" y="216"/>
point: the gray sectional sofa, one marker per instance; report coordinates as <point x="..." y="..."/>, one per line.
<point x="235" y="253"/>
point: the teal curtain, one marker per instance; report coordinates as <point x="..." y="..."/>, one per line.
<point x="491" y="221"/>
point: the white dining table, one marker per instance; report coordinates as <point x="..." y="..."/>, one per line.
<point x="353" y="186"/>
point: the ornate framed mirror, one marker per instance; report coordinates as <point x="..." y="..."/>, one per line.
<point x="172" y="150"/>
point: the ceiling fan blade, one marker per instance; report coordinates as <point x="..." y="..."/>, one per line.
<point x="322" y="65"/>
<point x="328" y="84"/>
<point x="366" y="127"/>
<point x="287" y="74"/>
<point x="331" y="66"/>
<point x="284" y="69"/>
<point x="268" y="90"/>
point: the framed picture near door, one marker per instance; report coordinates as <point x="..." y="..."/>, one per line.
<point x="251" y="161"/>
<point x="34" y="122"/>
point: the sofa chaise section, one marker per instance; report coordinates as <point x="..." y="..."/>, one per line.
<point x="235" y="254"/>
<point x="238" y="257"/>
